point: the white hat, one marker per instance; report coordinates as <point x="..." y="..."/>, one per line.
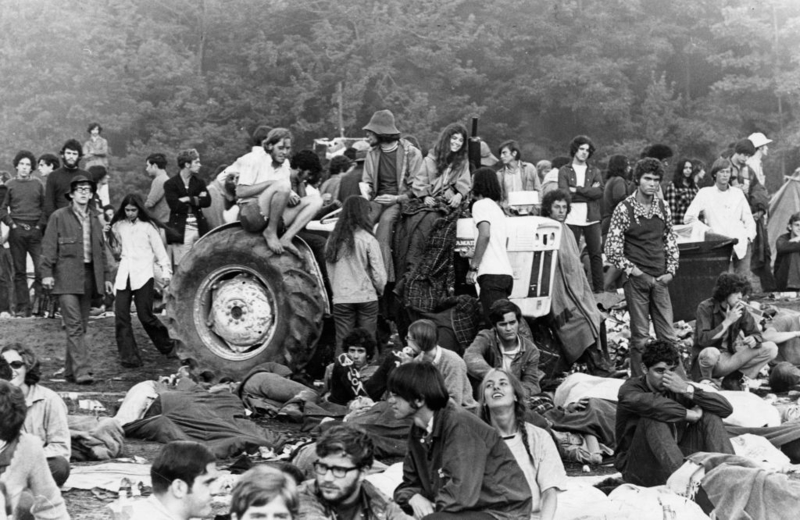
<point x="758" y="139"/>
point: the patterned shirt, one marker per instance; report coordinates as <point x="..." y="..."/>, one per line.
<point x="620" y="223"/>
<point x="679" y="200"/>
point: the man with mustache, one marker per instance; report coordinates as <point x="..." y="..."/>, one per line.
<point x="58" y="182"/>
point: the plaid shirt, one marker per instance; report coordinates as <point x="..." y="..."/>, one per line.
<point x="679" y="200"/>
<point x="620" y="223"/>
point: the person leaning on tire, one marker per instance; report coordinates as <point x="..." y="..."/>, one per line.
<point x="186" y="195"/>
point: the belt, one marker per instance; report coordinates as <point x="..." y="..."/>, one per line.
<point x="23" y="225"/>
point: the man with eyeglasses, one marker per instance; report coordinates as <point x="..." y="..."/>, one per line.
<point x="339" y="490"/>
<point x="74" y="268"/>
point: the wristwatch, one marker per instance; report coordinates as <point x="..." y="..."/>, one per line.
<point x="689" y="390"/>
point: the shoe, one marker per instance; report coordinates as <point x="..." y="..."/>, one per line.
<point x="85" y="380"/>
<point x="5" y="315"/>
<point x="173" y="352"/>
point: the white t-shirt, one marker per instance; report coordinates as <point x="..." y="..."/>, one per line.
<point x="495" y="258"/>
<point x="580" y="211"/>
<point x="257" y="169"/>
<point x="546" y="471"/>
<point x="509" y="355"/>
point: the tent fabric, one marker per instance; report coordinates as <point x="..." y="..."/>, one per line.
<point x="783" y="204"/>
<point x="216" y="420"/>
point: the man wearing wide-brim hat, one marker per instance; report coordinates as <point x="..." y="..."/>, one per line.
<point x="74" y="268"/>
<point x="389" y="170"/>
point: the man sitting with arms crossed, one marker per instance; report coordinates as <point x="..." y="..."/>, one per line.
<point x="265" y="196"/>
<point x="661" y="419"/>
<point x="182" y="475"/>
<point x="503" y="347"/>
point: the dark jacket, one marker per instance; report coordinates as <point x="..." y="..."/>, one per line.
<point x="710" y="316"/>
<point x="409" y="163"/>
<point x="484" y="354"/>
<point x="464" y="465"/>
<point x="374" y="505"/>
<point x="57" y="188"/>
<point x="567" y="178"/>
<point x="174" y="190"/>
<point x="636" y="401"/>
<point x="62" y="252"/>
<point x="787" y="263"/>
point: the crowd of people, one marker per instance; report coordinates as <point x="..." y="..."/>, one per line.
<point x="474" y="389"/>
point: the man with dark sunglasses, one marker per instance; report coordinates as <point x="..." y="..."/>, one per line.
<point x="339" y="490"/>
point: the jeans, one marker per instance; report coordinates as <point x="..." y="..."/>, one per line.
<point x="493" y="287"/>
<point x="646" y="299"/>
<point x="386" y="217"/>
<point x="6" y="275"/>
<point x="594" y="246"/>
<point x="59" y="469"/>
<point x="658" y="448"/>
<point x="748" y="361"/>
<point x="126" y="343"/>
<point x="23" y="242"/>
<point x="277" y="388"/>
<point x="75" y="311"/>
<point x="178" y="251"/>
<point x="347" y="316"/>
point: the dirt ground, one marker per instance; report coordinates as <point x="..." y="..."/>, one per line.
<point x="112" y="382"/>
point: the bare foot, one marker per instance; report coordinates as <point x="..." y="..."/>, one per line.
<point x="273" y="243"/>
<point x="288" y="246"/>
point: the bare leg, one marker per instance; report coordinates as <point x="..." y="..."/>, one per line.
<point x="272" y="203"/>
<point x="297" y="218"/>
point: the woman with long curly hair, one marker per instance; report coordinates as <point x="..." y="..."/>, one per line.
<point x="355" y="269"/>
<point x="681" y="191"/>
<point x="445" y="171"/>
<point x="135" y="238"/>
<point x="502" y="405"/>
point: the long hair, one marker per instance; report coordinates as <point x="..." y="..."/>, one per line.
<point x="444" y="157"/>
<point x="132" y="199"/>
<point x="678" y="180"/>
<point x="354" y="216"/>
<point x="618" y="167"/>
<point x="425" y="334"/>
<point x="520" y="408"/>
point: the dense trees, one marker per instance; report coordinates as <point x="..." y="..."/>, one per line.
<point x="167" y="74"/>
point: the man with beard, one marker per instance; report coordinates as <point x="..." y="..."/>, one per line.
<point x="74" y="268"/>
<point x="642" y="243"/>
<point x="266" y="196"/>
<point x="339" y="490"/>
<point x="390" y="168"/>
<point x="58" y="182"/>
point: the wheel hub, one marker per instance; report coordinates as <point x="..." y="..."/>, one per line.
<point x="241" y="313"/>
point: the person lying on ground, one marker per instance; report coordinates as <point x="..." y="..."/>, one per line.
<point x="345" y="455"/>
<point x="457" y="466"/>
<point x="503" y="347"/>
<point x="502" y="405"/>
<point x="661" y="418"/>
<point x="422" y="345"/>
<point x="266" y="197"/>
<point x="264" y="492"/>
<point x="718" y="349"/>
<point x="181" y="475"/>
<point x="46" y="416"/>
<point x="30" y="488"/>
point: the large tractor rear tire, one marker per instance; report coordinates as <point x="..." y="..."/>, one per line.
<point x="233" y="304"/>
